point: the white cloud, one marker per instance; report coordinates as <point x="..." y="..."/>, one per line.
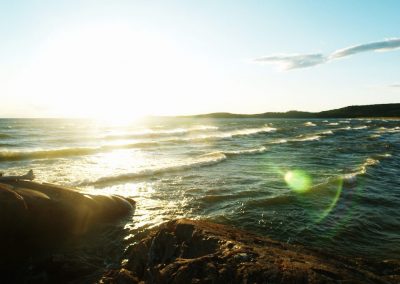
<point x="385" y="45"/>
<point x="294" y="61"/>
<point x="396" y="85"/>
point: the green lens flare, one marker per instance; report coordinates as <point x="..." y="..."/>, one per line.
<point x="298" y="180"/>
<point x="337" y="186"/>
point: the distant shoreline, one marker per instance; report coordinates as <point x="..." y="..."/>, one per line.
<point x="382" y="111"/>
<point x="376" y="111"/>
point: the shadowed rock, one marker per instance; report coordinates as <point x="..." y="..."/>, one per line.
<point x="186" y="251"/>
<point x="35" y="217"/>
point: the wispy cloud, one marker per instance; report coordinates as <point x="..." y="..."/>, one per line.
<point x="396" y="85"/>
<point x="385" y="45"/>
<point x="294" y="61"/>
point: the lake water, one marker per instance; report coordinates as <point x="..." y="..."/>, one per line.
<point x="332" y="184"/>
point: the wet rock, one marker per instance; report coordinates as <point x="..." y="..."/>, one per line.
<point x="187" y="251"/>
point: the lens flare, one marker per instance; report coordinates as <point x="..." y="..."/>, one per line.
<point x="337" y="190"/>
<point x="298" y="180"/>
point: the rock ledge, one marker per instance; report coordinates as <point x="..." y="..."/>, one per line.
<point x="188" y="251"/>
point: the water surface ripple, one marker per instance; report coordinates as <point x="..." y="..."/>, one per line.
<point x="331" y="184"/>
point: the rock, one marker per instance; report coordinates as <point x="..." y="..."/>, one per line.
<point x="37" y="217"/>
<point x="188" y="251"/>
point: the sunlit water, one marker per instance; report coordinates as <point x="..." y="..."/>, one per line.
<point x="331" y="184"/>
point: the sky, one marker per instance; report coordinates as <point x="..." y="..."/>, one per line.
<point x="125" y="59"/>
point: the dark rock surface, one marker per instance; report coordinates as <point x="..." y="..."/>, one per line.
<point x="27" y="206"/>
<point x="47" y="229"/>
<point x="187" y="251"/>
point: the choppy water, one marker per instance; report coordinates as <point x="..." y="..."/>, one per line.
<point x="332" y="184"/>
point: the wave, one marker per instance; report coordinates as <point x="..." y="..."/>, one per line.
<point x="217" y="198"/>
<point x="368" y="162"/>
<point x="81" y="151"/>
<point x="67" y="152"/>
<point x="246" y="151"/>
<point x="360" y="127"/>
<point x="4" y="136"/>
<point x="309" y="123"/>
<point x="389" y="130"/>
<point x="204" y="127"/>
<point x="350" y="179"/>
<point x="344" y="128"/>
<point x="202" y="161"/>
<point x="271" y="201"/>
<point x="307" y="138"/>
<point x="182" y="131"/>
<point x="243" y="132"/>
<point x="44" y="154"/>
<point x="226" y="134"/>
<point x="333" y="123"/>
<point x="374" y="136"/>
<point x="151" y="133"/>
<point x="301" y="138"/>
<point x="327" y="132"/>
<point x="7" y="145"/>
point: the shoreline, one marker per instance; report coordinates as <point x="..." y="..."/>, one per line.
<point x="180" y="250"/>
<point x="195" y="251"/>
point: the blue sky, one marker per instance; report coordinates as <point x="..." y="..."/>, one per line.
<point x="126" y="58"/>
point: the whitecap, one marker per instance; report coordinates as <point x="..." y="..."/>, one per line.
<point x="246" y="151"/>
<point x="309" y="123"/>
<point x="201" y="161"/>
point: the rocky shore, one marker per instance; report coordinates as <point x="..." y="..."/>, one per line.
<point x="53" y="234"/>
<point x="188" y="251"/>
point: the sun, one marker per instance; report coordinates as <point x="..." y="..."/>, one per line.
<point x="110" y="71"/>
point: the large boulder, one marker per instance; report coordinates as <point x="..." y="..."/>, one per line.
<point x="188" y="251"/>
<point x="35" y="216"/>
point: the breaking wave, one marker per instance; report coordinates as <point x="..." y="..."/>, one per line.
<point x="300" y="138"/>
<point x="81" y="151"/>
<point x="309" y="123"/>
<point x="307" y="138"/>
<point x="151" y="133"/>
<point x="240" y="132"/>
<point x="67" y="152"/>
<point x="201" y="161"/>
<point x="247" y="151"/>
<point x="389" y="130"/>
<point x="350" y="179"/>
<point x="226" y="134"/>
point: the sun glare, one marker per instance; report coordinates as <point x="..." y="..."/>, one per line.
<point x="110" y="71"/>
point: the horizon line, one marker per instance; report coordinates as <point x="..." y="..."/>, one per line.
<point x="194" y="115"/>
